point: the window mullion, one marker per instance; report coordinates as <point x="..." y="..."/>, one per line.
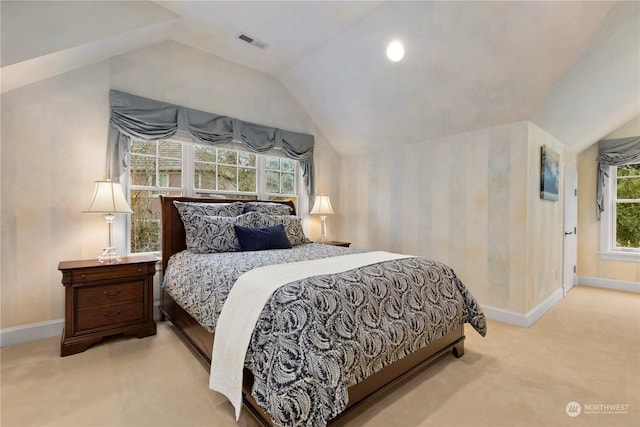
<point x="237" y="172"/>
<point x="217" y="169"/>
<point x="260" y="178"/>
<point x="124" y="221"/>
<point x="613" y="195"/>
<point x="156" y="181"/>
<point x="188" y="170"/>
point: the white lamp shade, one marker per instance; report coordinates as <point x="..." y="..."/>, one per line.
<point x="322" y="206"/>
<point x="108" y="198"/>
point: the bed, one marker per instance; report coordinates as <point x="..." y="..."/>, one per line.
<point x="373" y="372"/>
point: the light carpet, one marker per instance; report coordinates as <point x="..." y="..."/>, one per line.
<point x="586" y="350"/>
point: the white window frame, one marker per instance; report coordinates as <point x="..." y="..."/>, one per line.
<point x="608" y="248"/>
<point x="188" y="189"/>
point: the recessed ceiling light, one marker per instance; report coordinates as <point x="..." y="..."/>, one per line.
<point x="395" y="51"/>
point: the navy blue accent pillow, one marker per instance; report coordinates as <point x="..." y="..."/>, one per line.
<point x="258" y="239"/>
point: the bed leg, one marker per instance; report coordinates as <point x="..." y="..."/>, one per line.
<point x="458" y="349"/>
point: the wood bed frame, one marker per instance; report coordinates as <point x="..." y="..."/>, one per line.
<point x="173" y="241"/>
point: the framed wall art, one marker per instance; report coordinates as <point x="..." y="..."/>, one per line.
<point x="549" y="173"/>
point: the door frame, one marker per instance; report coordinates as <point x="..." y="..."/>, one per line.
<point x="570" y="230"/>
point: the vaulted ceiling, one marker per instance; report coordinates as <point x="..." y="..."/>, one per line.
<point x="571" y="67"/>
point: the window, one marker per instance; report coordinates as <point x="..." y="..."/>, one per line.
<point x="621" y="217"/>
<point x="280" y="175"/>
<point x="155" y="168"/>
<point x="175" y="168"/>
<point x="224" y="170"/>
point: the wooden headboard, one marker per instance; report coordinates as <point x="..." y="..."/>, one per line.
<point x="173" y="234"/>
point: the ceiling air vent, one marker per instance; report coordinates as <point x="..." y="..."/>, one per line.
<point x="257" y="43"/>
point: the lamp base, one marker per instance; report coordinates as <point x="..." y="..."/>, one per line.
<point x="323" y="229"/>
<point x="109" y="256"/>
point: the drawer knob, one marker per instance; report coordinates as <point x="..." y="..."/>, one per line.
<point x="112" y="294"/>
<point x="84" y="276"/>
<point x="139" y="270"/>
<point x="112" y="315"/>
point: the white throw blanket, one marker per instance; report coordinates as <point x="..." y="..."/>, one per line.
<point x="246" y="301"/>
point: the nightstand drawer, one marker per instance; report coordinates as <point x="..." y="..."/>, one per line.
<point x="107" y="272"/>
<point x="109" y="315"/>
<point x="118" y="293"/>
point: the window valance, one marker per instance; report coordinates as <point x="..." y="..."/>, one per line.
<point x="614" y="152"/>
<point x="137" y="117"/>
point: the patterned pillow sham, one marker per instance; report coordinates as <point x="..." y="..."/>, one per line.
<point x="213" y="234"/>
<point x="187" y="209"/>
<point x="292" y="226"/>
<point x="267" y="208"/>
<point x="190" y="213"/>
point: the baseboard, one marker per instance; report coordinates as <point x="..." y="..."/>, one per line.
<point x="618" y="285"/>
<point x="519" y="319"/>
<point x="31" y="332"/>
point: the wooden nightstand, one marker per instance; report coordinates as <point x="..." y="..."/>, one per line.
<point x="336" y="243"/>
<point x="106" y="299"/>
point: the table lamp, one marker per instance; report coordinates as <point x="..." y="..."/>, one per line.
<point x="322" y="207"/>
<point x="108" y="199"/>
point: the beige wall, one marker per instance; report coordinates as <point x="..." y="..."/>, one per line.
<point x="471" y="201"/>
<point x="544" y="221"/>
<point x="54" y="137"/>
<point x="590" y="264"/>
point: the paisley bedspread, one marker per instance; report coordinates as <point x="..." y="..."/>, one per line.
<point x="317" y="336"/>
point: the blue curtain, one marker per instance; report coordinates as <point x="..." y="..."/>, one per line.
<point x="138" y="117"/>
